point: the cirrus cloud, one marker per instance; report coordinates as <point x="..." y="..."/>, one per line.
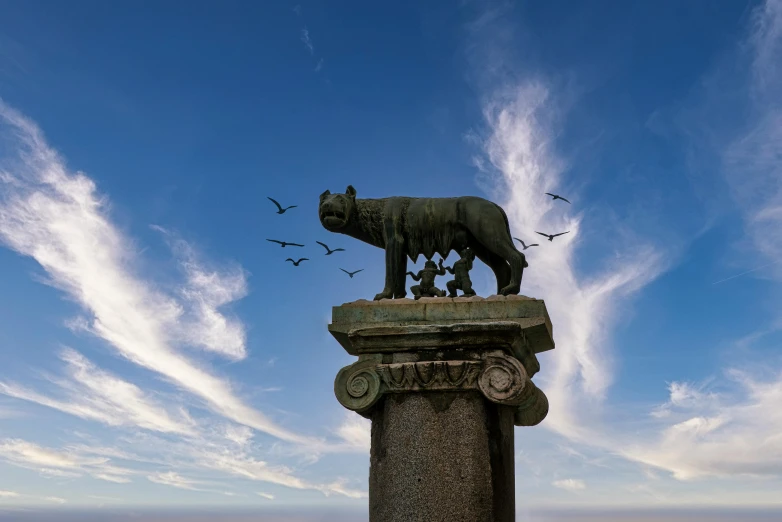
<point x="59" y="219"/>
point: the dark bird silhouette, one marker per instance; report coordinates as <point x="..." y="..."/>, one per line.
<point x="296" y="263"/>
<point x="556" y="197"/>
<point x="283" y="243"/>
<point x="351" y="274"/>
<point x="525" y="245"/>
<point x="280" y="210"/>
<point x="551" y="236"/>
<point x="328" y="250"/>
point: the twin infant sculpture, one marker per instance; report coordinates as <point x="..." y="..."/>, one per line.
<point x="461" y="271"/>
<point x="407" y="227"/>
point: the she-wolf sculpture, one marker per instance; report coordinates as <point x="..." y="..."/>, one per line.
<point x="407" y="227"/>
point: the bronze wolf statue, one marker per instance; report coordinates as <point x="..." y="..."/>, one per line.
<point x="407" y="227"/>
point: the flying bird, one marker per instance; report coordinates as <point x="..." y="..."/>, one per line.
<point x="551" y="236"/>
<point x="284" y="244"/>
<point x="351" y="274"/>
<point x="296" y="263"/>
<point x="525" y="245"/>
<point x="556" y="197"/>
<point x="328" y="250"/>
<point x="280" y="210"/>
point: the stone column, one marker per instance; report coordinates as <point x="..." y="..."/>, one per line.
<point x="444" y="381"/>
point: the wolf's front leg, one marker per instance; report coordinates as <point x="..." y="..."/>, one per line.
<point x="387" y="293"/>
<point x="392" y="265"/>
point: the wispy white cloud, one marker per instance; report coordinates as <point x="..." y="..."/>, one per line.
<point x="210" y="455"/>
<point x="736" y="432"/>
<point x="240" y="435"/>
<point x="59" y="219"/>
<point x="569" y="484"/>
<point x="520" y="163"/>
<point x="265" y="495"/>
<point x="226" y="452"/>
<point x="60" y="463"/>
<point x="753" y="167"/>
<point x="103" y="500"/>
<point x="171" y="478"/>
<point x="166" y="461"/>
<point x="339" y="487"/>
<point x="683" y="394"/>
<point x="766" y="41"/>
<point x="698" y="432"/>
<point x="355" y="430"/>
<point x="20" y="498"/>
<point x="112" y="478"/>
<point x="242" y="464"/>
<point x="305" y="39"/>
<point x="25" y="452"/>
<point x="646" y="489"/>
<point x="204" y="292"/>
<point x="747" y="272"/>
<point x="702" y="432"/>
<point x="752" y="158"/>
<point x="97" y="395"/>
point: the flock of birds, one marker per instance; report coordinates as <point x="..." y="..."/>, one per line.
<point x="329" y="251"/>
<point x="296" y="262"/>
<point x="549" y="236"/>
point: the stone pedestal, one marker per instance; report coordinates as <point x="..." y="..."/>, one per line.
<point x="444" y="381"/>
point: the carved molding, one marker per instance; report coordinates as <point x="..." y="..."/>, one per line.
<point x="500" y="378"/>
<point x="429" y="376"/>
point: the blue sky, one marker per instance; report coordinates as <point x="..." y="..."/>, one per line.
<point x="157" y="351"/>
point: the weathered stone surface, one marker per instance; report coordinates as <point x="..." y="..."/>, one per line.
<point x="358" y="386"/>
<point x="503" y="380"/>
<point x="443" y="381"/>
<point x="530" y="314"/>
<point x="505" y="335"/>
<point x="382" y="339"/>
<point x="441" y="457"/>
<point x="533" y="407"/>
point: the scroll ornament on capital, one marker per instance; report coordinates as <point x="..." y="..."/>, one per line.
<point x="501" y="379"/>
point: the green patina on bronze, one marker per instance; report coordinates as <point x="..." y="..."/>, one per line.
<point x="407" y="227"/>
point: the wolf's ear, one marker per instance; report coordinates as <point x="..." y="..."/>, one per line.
<point x="327" y="193"/>
<point x="350" y="191"/>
